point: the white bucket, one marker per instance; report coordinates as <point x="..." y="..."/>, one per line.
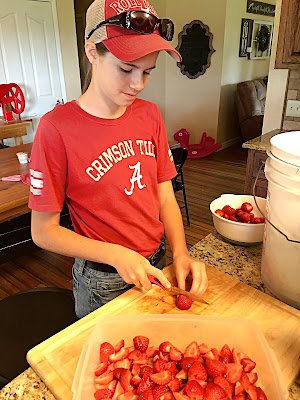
<point x="280" y="268"/>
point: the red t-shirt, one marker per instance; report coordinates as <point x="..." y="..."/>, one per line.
<point x="107" y="170"/>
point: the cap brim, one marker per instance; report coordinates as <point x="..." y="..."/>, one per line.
<point x="131" y="47"/>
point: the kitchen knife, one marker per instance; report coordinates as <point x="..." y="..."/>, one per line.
<point x="175" y="290"/>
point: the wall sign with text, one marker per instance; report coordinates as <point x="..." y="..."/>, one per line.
<point x="257" y="7"/>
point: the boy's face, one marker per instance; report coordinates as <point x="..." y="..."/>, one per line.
<point x="118" y="82"/>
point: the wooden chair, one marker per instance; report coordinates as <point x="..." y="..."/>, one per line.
<point x="13" y="129"/>
<point x="28" y="318"/>
<point x="179" y="157"/>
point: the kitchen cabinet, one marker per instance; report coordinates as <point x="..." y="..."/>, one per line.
<point x="254" y="160"/>
<point x="288" y="47"/>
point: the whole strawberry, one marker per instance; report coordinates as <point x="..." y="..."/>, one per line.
<point x="141" y="343"/>
<point x="183" y="302"/>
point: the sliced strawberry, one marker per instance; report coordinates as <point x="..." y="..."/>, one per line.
<point x="175" y="354"/>
<point x="119" y="345"/>
<point x="151" y="351"/>
<point x="192" y="350"/>
<point x="233" y="372"/>
<point x="117" y="372"/>
<point x="252" y="377"/>
<point x="197" y="372"/>
<point x="125" y="379"/>
<point x="105" y="378"/>
<point x="227" y="386"/>
<point x="159" y="365"/>
<point x="119" y="390"/>
<point x="146" y="369"/>
<point x="123" y="353"/>
<point x="245" y="381"/>
<point x="215" y="368"/>
<point x="160" y="390"/>
<point x="103" y="394"/>
<point x="235" y="357"/>
<point x="204" y="348"/>
<point x="161" y="378"/>
<point x="106" y="349"/>
<point x="138" y="357"/>
<point x="165" y="347"/>
<point x="211" y="355"/>
<point x="122" y="364"/>
<point x="260" y="394"/>
<point x="180" y="396"/>
<point x="225" y="354"/>
<point x="181" y="375"/>
<point x="174" y="385"/>
<point x="248" y="365"/>
<point x="112" y="385"/>
<point x="241" y="396"/>
<point x="252" y="393"/>
<point x="186" y="362"/>
<point x="128" y="396"/>
<point x="239" y="388"/>
<point x="146" y="383"/>
<point x="167" y="396"/>
<point x="135" y="381"/>
<point x="194" y="390"/>
<point x="136" y="368"/>
<point x="147" y="395"/>
<point x="101" y="368"/>
<point x="141" y="343"/>
<point x="214" y="392"/>
<point x="164" y="355"/>
<point x="98" y="387"/>
<point x="170" y="366"/>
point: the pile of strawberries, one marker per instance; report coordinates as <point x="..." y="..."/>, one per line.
<point x="242" y="214"/>
<point x="144" y="372"/>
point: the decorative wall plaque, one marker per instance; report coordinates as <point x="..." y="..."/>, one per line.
<point x="195" y="47"/>
<point x="257" y="7"/>
<point x="245" y="41"/>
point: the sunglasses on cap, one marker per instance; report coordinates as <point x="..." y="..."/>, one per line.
<point x="141" y="22"/>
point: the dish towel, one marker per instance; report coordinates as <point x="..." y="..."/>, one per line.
<point x="25" y="178"/>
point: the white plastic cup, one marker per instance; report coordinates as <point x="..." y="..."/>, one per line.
<point x="22" y="157"/>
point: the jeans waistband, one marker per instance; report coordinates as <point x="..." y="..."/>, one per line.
<point x="153" y="259"/>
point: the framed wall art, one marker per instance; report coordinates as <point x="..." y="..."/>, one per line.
<point x="195" y="47"/>
<point x="245" y="39"/>
<point x="261" y="43"/>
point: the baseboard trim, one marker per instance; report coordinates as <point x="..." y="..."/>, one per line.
<point x="230" y="142"/>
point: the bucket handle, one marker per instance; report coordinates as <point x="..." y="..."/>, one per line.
<point x="262" y="163"/>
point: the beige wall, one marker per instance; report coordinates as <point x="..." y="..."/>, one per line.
<point x="68" y="44"/>
<point x="189" y="103"/>
<point x="236" y="69"/>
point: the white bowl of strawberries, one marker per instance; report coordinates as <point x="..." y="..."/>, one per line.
<point x="237" y="218"/>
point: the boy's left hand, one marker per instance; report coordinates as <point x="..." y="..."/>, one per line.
<point x="184" y="265"/>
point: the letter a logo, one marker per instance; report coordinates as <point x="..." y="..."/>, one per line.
<point x="136" y="177"/>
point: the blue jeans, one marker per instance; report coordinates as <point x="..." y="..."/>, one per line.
<point x="92" y="289"/>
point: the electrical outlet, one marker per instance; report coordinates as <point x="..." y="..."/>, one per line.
<point x="293" y="108"/>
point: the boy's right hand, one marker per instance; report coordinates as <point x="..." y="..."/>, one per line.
<point x="134" y="268"/>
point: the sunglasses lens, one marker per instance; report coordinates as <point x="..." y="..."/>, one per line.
<point x="167" y="29"/>
<point x="142" y="22"/>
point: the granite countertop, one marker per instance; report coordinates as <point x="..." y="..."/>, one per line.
<point x="242" y="263"/>
<point x="261" y="142"/>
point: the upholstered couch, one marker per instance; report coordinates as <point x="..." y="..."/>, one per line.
<point x="250" y="98"/>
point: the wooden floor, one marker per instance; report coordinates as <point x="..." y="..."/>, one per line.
<point x="205" y="179"/>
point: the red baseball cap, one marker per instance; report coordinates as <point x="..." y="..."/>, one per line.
<point x="125" y="44"/>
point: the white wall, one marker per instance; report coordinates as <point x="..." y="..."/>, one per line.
<point x="189" y="103"/>
<point x="68" y="44"/>
<point x="277" y="85"/>
<point x="236" y="69"/>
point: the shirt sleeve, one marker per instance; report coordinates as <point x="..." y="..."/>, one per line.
<point x="165" y="165"/>
<point x="48" y="169"/>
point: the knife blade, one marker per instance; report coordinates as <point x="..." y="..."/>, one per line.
<point x="175" y="290"/>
